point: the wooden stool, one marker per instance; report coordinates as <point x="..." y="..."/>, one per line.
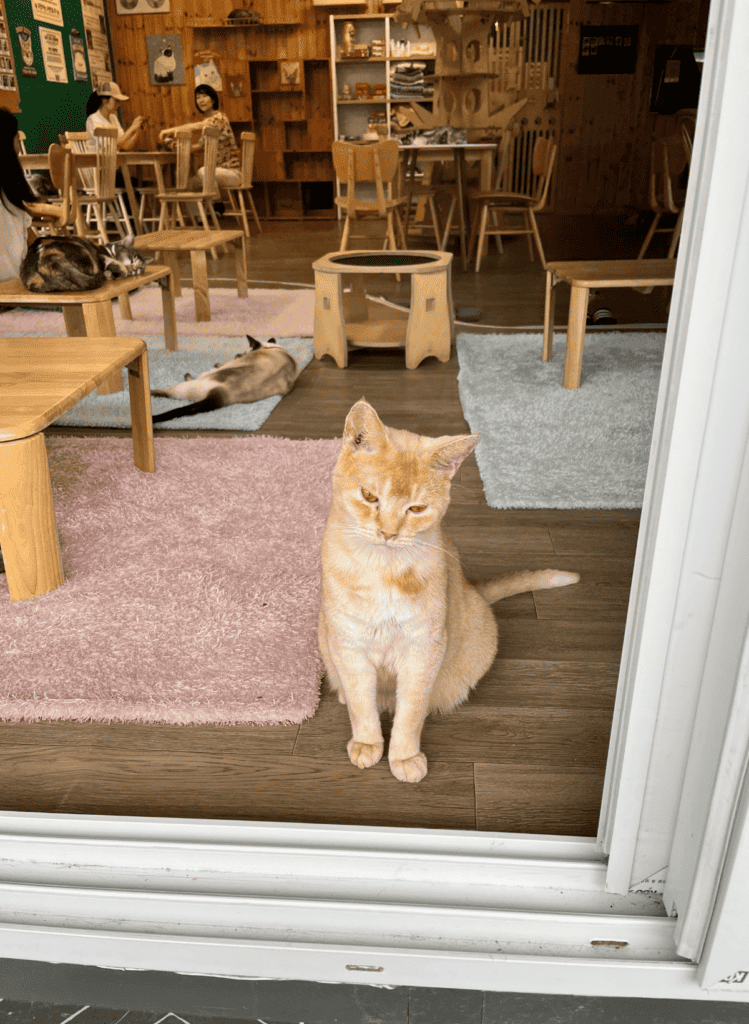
<point x="430" y="329"/>
<point x="583" y="275"/>
<point x="43" y="378"/>
<point x="197" y="242"/>
<point x="89" y="314"/>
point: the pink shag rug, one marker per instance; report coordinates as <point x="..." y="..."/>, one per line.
<point x="265" y="313"/>
<point x="191" y="595"/>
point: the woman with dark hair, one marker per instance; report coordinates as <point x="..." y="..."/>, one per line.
<point x="100" y="113"/>
<point x="17" y="201"/>
<point x="227" y="162"/>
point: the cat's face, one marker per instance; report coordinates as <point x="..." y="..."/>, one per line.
<point x="391" y="484"/>
<point x="120" y="259"/>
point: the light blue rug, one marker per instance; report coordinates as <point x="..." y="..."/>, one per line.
<point x="166" y="368"/>
<point x="544" y="446"/>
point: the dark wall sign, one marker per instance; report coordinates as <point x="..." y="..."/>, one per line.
<point x="607" y="49"/>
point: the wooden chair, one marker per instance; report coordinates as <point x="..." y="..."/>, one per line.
<point x="517" y="205"/>
<point x="376" y="163"/>
<point x="56" y="217"/>
<point x="668" y="158"/>
<point x="172" y="199"/>
<point x="237" y="192"/>
<point x="420" y="196"/>
<point x="100" y="195"/>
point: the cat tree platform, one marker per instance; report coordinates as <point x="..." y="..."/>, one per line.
<point x="341" y="318"/>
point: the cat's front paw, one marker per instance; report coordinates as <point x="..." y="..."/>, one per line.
<point x="413" y="769"/>
<point x="364" y="755"/>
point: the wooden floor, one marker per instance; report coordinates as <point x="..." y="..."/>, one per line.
<point x="527" y="753"/>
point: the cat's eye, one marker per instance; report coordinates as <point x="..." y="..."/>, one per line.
<point x="417" y="508"/>
<point x="368" y="496"/>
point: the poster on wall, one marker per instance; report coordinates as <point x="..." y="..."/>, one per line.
<point x="143" y="6"/>
<point x="607" y="50"/>
<point x="48" y="10"/>
<point x="7" y="74"/>
<point x="166" y="64"/>
<point x="27" y="53"/>
<point x="78" y="57"/>
<point x="53" y="55"/>
<point x="97" y="41"/>
<point x="207" y="72"/>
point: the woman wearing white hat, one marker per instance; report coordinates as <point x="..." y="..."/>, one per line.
<point x="100" y="111"/>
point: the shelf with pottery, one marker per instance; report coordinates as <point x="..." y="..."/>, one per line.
<point x="363" y="44"/>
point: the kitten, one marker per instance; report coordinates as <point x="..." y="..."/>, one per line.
<point x="267" y="369"/>
<point x="69" y="263"/>
<point x="400" y="627"/>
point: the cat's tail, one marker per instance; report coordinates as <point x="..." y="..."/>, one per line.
<point x="520" y="582"/>
<point x="214" y="400"/>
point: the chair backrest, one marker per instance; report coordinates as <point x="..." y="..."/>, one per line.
<point x="667" y="161"/>
<point x="247" y="158"/>
<point x="183" y="149"/>
<point x="210" y="158"/>
<point x="377" y="162"/>
<point x="503" y="150"/>
<point x="106" y="162"/>
<point x="60" y="165"/>
<point x="81" y="142"/>
<point x="21" y="142"/>
<point x="544" y="155"/>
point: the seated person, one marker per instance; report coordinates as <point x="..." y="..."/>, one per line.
<point x="17" y="201"/>
<point x="100" y="111"/>
<point x="227" y="162"/>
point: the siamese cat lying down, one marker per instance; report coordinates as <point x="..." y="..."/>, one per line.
<point x="267" y="369"/>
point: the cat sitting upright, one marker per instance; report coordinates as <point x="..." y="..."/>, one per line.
<point x="267" y="369"/>
<point x="401" y="629"/>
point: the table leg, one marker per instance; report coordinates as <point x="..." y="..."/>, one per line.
<point x="124" y="303"/>
<point x="573" y="353"/>
<point x="549" y="305"/>
<point x="430" y="328"/>
<point x="170" y="314"/>
<point x="99" y="323"/>
<point x="329" y="329"/>
<point x="171" y="260"/>
<point x="140" y="413"/>
<point x="460" y="168"/>
<point x="199" y="266"/>
<point x="131" y="196"/>
<point x="240" y="262"/>
<point x="31" y="549"/>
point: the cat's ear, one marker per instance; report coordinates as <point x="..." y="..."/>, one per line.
<point x="451" y="451"/>
<point x="128" y="241"/>
<point x="253" y="343"/>
<point x="363" y="431"/>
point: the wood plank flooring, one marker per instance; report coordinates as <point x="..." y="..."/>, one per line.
<point x="527" y="753"/>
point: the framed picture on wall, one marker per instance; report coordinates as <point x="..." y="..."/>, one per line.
<point x="143" y="6"/>
<point x="607" y="50"/>
<point x="166" y="63"/>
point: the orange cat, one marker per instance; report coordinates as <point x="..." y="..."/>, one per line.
<point x="401" y="629"/>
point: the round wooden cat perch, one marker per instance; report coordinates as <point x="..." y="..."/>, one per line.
<point x="477" y="85"/>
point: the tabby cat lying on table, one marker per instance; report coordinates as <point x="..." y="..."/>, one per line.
<point x="401" y="629"/>
<point x="267" y="369"/>
<point x="69" y="263"/>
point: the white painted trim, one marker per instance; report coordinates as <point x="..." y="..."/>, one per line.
<point x="691" y="487"/>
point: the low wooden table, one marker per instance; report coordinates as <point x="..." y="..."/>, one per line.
<point x="89" y="314"/>
<point x="40" y="379"/>
<point x="342" y="320"/>
<point x="582" y="276"/>
<point x="197" y="242"/>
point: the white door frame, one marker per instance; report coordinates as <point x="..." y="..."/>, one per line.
<point x="491" y="911"/>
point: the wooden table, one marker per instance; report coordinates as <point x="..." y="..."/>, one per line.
<point x="583" y="275"/>
<point x="158" y="159"/>
<point x="197" y="241"/>
<point x="89" y="314"/>
<point x="41" y="378"/>
<point x="341" y="320"/>
<point x="460" y="152"/>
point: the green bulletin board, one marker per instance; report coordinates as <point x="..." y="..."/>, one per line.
<point x="47" y="108"/>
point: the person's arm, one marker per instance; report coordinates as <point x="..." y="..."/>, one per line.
<point x="128" y="139"/>
<point x="195" y="126"/>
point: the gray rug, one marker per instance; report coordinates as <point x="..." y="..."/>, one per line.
<point x="165" y="368"/>
<point x="543" y="446"/>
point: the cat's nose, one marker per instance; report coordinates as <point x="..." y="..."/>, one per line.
<point x="388" y="536"/>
